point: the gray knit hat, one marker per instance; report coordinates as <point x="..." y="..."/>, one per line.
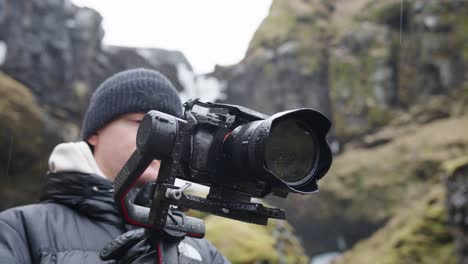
<point x="130" y="91"/>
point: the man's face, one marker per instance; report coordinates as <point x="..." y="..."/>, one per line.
<point x="115" y="143"/>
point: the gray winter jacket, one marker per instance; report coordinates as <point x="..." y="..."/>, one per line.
<point x="74" y="220"/>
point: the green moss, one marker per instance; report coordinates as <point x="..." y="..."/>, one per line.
<point x="379" y="180"/>
<point x="378" y="117"/>
<point x="424" y="170"/>
<point x="362" y="81"/>
<point x="353" y="92"/>
<point x="384" y="11"/>
<point x="276" y="27"/>
<point x="426" y="239"/>
<point x="451" y="166"/>
<point x="21" y="121"/>
<point x="460" y="24"/>
<point x="81" y="89"/>
<point x="249" y="243"/>
<point x="290" y="20"/>
<point x="417" y="234"/>
<point x="23" y="152"/>
<point x="268" y="71"/>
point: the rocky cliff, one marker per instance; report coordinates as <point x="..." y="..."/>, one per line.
<point x="54" y="48"/>
<point x="286" y="65"/>
<point x="457" y="204"/>
<point x="394" y="54"/>
<point x="356" y="60"/>
<point x="381" y="70"/>
<point x="51" y="59"/>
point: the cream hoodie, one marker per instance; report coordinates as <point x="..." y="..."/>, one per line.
<point x="77" y="156"/>
<point x="74" y="156"/>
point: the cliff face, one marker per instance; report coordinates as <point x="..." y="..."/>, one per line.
<point x="430" y="229"/>
<point x="51" y="59"/>
<point x="47" y="47"/>
<point x="391" y="56"/>
<point x="23" y="143"/>
<point x="55" y="49"/>
<point x="356" y="61"/>
<point x="52" y="48"/>
<point x="368" y="186"/>
<point x="457" y="204"/>
<point x="377" y="69"/>
<point x="417" y="234"/>
<point x="286" y="65"/>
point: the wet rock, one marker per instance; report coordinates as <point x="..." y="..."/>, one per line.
<point x="457" y="204"/>
<point x="53" y="50"/>
<point x="22" y="140"/>
<point x="51" y="45"/>
<point x="417" y="234"/>
<point x="286" y="65"/>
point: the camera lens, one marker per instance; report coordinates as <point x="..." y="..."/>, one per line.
<point x="291" y="151"/>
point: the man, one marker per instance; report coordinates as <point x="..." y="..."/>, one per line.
<point x="76" y="218"/>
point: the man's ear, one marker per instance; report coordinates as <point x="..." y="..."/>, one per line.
<point x="93" y="140"/>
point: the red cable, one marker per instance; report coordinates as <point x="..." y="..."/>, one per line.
<point x="159" y="248"/>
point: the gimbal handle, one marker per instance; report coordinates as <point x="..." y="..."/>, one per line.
<point x="174" y="224"/>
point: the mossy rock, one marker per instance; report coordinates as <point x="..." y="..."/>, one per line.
<point x="250" y="243"/>
<point x="22" y="139"/>
<point x="290" y="20"/>
<point x="417" y="234"/>
<point x="388" y="12"/>
<point x="367" y="186"/>
<point x="371" y="185"/>
<point x="457" y="203"/>
<point x="379" y="179"/>
<point x="23" y="151"/>
<point x="362" y="81"/>
<point x="416" y="52"/>
<point x="304" y="23"/>
<point x="460" y="27"/>
<point x="451" y="166"/>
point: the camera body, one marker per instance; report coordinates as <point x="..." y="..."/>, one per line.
<point x="227" y="150"/>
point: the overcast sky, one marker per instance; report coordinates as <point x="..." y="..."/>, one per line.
<point x="208" y="32"/>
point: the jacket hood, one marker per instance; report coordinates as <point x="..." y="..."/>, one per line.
<point x="75" y="180"/>
<point x="74" y="156"/>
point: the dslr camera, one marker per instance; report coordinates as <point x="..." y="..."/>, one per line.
<point x="237" y="152"/>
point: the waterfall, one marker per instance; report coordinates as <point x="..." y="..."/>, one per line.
<point x="3" y="52"/>
<point x="207" y="88"/>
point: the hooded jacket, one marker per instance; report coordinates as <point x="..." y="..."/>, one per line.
<point x="75" y="217"/>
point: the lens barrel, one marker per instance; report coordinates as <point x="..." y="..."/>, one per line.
<point x="288" y="149"/>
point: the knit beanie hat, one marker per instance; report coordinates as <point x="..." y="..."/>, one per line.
<point x="130" y="91"/>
